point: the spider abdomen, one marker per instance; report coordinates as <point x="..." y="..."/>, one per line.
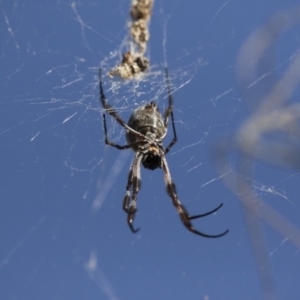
<point x="148" y="121"/>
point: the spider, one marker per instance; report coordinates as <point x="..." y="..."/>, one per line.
<point x="145" y="132"/>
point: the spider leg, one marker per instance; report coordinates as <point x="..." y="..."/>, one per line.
<point x="183" y="213"/>
<point x="134" y="183"/>
<point x="114" y="114"/>
<point x="107" y="142"/>
<point x="206" y="214"/>
<point x="169" y="112"/>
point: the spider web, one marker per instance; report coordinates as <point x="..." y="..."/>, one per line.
<point x="63" y="231"/>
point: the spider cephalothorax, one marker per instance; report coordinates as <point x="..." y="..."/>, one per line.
<point x="152" y="158"/>
<point x="145" y="132"/>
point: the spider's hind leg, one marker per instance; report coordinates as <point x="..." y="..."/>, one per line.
<point x="169" y="112"/>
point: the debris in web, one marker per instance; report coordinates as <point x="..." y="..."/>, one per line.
<point x="134" y="62"/>
<point x="130" y="66"/>
<point x="140" y="14"/>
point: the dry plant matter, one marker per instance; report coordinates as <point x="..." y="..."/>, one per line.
<point x="134" y="62"/>
<point x="270" y="134"/>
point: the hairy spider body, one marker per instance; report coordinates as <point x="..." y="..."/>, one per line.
<point x="152" y="158"/>
<point x="145" y="132"/>
<point x="148" y="121"/>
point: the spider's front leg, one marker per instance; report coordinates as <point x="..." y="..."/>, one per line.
<point x="186" y="220"/>
<point x="134" y="183"/>
<point x="183" y="213"/>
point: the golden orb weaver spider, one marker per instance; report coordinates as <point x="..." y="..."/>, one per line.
<point x="145" y="132"/>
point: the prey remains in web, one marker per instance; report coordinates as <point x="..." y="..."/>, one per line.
<point x="145" y="132"/>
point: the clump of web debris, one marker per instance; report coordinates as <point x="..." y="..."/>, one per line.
<point x="134" y="62"/>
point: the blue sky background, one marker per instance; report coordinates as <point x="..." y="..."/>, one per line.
<point x="55" y="167"/>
